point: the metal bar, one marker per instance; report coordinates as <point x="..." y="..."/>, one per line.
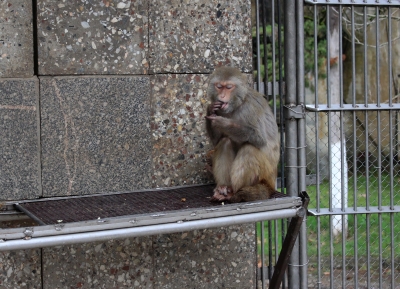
<point x="351" y="107"/>
<point x="29" y="214"/>
<point x="366" y="117"/>
<point x="266" y="88"/>
<point x="263" y="254"/>
<point x="264" y="33"/>
<point x="281" y="89"/>
<point x="355" y="2"/>
<point x="281" y="126"/>
<point x="291" y="165"/>
<point x="328" y="29"/>
<point x="354" y="211"/>
<point x="379" y="148"/>
<point x="258" y="81"/>
<point x="343" y="162"/>
<point x="355" y="168"/>
<point x="258" y="46"/>
<point x="301" y="138"/>
<point x="47" y="241"/>
<point x="368" y="251"/>
<point x="331" y="256"/>
<point x="138" y="220"/>
<point x="316" y="67"/>
<point x="7" y="216"/>
<point x="270" y="260"/>
<point x="317" y="148"/>
<point x="289" y="244"/>
<point x="391" y="156"/>
<point x="274" y="85"/>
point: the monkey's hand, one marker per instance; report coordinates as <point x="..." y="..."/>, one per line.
<point x="222" y="123"/>
<point x="212" y="108"/>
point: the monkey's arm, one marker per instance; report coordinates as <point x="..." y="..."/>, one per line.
<point x="236" y="131"/>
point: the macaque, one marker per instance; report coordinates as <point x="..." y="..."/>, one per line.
<point x="245" y="136"/>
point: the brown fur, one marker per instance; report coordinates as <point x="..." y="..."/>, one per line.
<point x="243" y="130"/>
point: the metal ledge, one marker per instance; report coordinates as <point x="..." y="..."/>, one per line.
<point x="167" y="212"/>
<point x="350" y="107"/>
<point x="104" y="235"/>
<point x="352" y="211"/>
<point x="355" y="2"/>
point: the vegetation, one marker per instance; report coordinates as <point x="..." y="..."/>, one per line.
<point x="355" y="222"/>
<point x="272" y="38"/>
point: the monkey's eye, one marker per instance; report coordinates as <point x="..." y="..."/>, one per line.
<point x="229" y="86"/>
<point x="219" y="86"/>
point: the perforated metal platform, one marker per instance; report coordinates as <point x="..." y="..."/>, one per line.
<point x="80" y="219"/>
<point x="192" y="202"/>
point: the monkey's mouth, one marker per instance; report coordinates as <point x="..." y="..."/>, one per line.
<point x="224" y="105"/>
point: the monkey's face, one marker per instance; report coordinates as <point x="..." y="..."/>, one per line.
<point x="227" y="89"/>
<point x="224" y="91"/>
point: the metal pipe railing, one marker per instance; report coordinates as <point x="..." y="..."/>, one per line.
<point x="105" y="235"/>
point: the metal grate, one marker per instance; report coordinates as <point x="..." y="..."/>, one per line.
<point x="85" y="208"/>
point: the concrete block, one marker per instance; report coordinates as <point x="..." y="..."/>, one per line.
<point x="92" y="37"/>
<point x="178" y="126"/>
<point x="16" y="38"/>
<point x="196" y="36"/>
<point x="125" y="263"/>
<point x="19" y="139"/>
<point x="20" y="269"/>
<point x="95" y="134"/>
<point x="213" y="258"/>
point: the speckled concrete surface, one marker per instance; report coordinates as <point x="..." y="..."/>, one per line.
<point x="214" y="258"/>
<point x="180" y="142"/>
<point x="19" y="139"/>
<point x="92" y="37"/>
<point x="95" y="134"/>
<point x="125" y="263"/>
<point x="16" y="38"/>
<point x="20" y="269"/>
<point x="195" y="36"/>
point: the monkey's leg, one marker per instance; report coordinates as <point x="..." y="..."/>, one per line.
<point x="252" y="176"/>
<point x="223" y="157"/>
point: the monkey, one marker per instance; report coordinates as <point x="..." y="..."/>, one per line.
<point x="244" y="133"/>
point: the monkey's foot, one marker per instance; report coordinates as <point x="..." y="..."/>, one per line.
<point x="222" y="193"/>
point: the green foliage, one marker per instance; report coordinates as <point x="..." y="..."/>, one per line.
<point x="309" y="45"/>
<point x="272" y="62"/>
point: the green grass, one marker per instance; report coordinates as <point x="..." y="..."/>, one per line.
<point x="357" y="224"/>
<point x="358" y="196"/>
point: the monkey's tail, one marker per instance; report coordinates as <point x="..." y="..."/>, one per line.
<point x="260" y="191"/>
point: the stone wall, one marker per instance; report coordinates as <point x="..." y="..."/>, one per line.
<point x="106" y="96"/>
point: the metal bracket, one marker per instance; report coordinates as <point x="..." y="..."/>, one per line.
<point x="28" y="233"/>
<point x="293" y="111"/>
<point x="288" y="244"/>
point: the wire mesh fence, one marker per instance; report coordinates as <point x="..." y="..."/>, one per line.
<point x="352" y="145"/>
<point x="350" y="72"/>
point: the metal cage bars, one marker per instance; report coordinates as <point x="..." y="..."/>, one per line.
<point x="292" y="120"/>
<point x="370" y="112"/>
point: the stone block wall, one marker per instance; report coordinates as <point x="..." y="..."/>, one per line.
<point x="106" y="96"/>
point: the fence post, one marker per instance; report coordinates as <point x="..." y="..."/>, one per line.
<point x="291" y="162"/>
